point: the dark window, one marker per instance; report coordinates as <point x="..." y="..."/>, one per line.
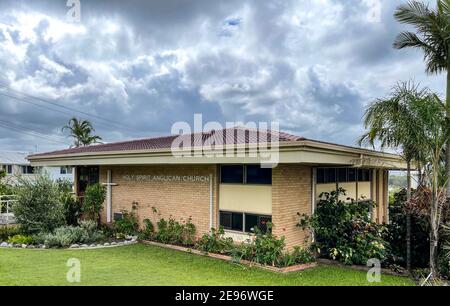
<point x="320" y="175"/>
<point x="231" y="221"/>
<point x="63" y="170"/>
<point x="363" y="175"/>
<point x="258" y="175"/>
<point x="252" y="221"/>
<point x="232" y="174"/>
<point x="352" y="175"/>
<point x="330" y="175"/>
<point x="342" y="174"/>
<point x="9" y="169"/>
<point x="27" y="170"/>
<point x="87" y="176"/>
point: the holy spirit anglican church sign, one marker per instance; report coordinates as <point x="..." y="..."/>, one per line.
<point x="165" y="178"/>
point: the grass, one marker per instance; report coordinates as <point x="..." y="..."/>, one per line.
<point x="150" y="265"/>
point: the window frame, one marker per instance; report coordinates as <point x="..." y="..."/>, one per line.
<point x="244" y="214"/>
<point x="244" y="175"/>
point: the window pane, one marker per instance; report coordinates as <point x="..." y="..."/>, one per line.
<point x="352" y="175"/>
<point x="250" y="222"/>
<point x="253" y="221"/>
<point x="9" y="169"/>
<point x="330" y="175"/>
<point x="225" y="220"/>
<point x="62" y="170"/>
<point x="342" y="174"/>
<point x="237" y="222"/>
<point x="232" y="174"/>
<point x="258" y="175"/>
<point x="363" y="175"/>
<point x="320" y="175"/>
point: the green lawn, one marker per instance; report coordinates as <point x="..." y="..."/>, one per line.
<point x="149" y="265"/>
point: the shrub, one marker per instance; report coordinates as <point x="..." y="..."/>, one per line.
<point x="173" y="232"/>
<point x="149" y="230"/>
<point x="21" y="239"/>
<point x="215" y="242"/>
<point x="265" y="248"/>
<point x="72" y="208"/>
<point x="396" y="234"/>
<point x="8" y="231"/>
<point x="344" y="230"/>
<point x="38" y="207"/>
<point x="5" y="187"/>
<point x="93" y="201"/>
<point x="64" y="236"/>
<point x="128" y="225"/>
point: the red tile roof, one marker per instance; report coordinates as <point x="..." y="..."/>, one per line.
<point x="235" y="135"/>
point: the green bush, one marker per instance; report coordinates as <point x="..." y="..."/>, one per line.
<point x="64" y="236"/>
<point x="173" y="232"/>
<point x="215" y="242"/>
<point x="5" y="187"/>
<point x="38" y="208"/>
<point x="149" y="230"/>
<point x="8" y="231"/>
<point x="72" y="208"/>
<point x="128" y="225"/>
<point x="21" y="239"/>
<point x="396" y="234"/>
<point x="297" y="256"/>
<point x="93" y="201"/>
<point x="265" y="248"/>
<point x="344" y="231"/>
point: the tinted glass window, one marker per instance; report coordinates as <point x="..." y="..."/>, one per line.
<point x="363" y="175"/>
<point x="253" y="221"/>
<point x="342" y="174"/>
<point x="231" y="221"/>
<point x="258" y="175"/>
<point x="330" y="175"/>
<point x="320" y="175"/>
<point x="232" y="174"/>
<point x="352" y="175"/>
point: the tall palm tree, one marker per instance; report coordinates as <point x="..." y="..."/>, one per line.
<point x="433" y="38"/>
<point x="82" y="132"/>
<point x="413" y="120"/>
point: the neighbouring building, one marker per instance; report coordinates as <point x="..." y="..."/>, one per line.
<point x="234" y="191"/>
<point x="15" y="164"/>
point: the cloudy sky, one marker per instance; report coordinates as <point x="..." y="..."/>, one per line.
<point x="134" y="68"/>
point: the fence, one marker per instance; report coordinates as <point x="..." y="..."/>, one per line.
<point x="6" y="216"/>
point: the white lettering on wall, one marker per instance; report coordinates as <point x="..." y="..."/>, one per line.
<point x="165" y="178"/>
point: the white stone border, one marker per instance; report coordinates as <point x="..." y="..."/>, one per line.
<point x="72" y="247"/>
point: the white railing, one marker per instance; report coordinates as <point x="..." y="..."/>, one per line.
<point x="6" y="216"/>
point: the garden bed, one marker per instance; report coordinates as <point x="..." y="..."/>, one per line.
<point x="293" y="268"/>
<point x="73" y="246"/>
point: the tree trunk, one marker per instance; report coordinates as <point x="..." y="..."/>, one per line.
<point x="447" y="145"/>
<point x="408" y="217"/>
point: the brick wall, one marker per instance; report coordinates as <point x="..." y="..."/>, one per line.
<point x="291" y="194"/>
<point x="179" y="199"/>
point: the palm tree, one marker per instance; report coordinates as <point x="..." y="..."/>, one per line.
<point x="81" y="132"/>
<point x="413" y="120"/>
<point x="433" y="38"/>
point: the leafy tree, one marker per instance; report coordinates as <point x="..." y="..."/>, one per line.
<point x="414" y="121"/>
<point x="38" y="208"/>
<point x="433" y="38"/>
<point x="82" y="132"/>
<point x="93" y="201"/>
<point x="396" y="122"/>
